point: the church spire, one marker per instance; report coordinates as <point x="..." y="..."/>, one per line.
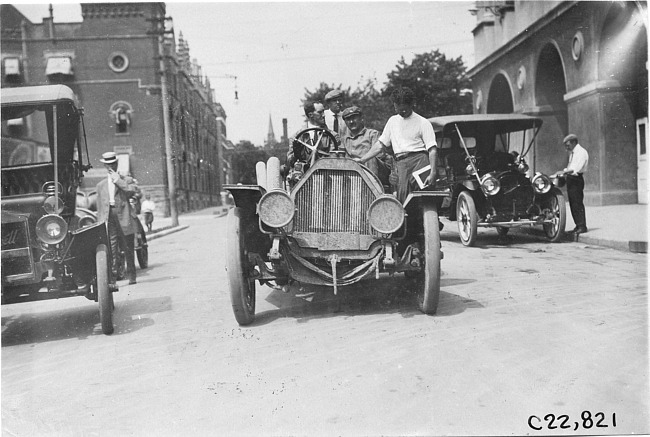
<point x="270" y="137"/>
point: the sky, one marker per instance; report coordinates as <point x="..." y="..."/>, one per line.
<point x="276" y="50"/>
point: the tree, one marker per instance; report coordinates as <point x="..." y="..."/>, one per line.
<point x="439" y="84"/>
<point x="243" y="161"/>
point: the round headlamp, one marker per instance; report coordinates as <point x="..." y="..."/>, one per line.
<point x="276" y="209"/>
<point x="541" y="183"/>
<point x="470" y="170"/>
<point x="386" y="214"/>
<point x="52" y="205"/>
<point x="490" y="185"/>
<point x="51" y="229"/>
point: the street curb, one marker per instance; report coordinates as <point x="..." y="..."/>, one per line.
<point x="166" y="232"/>
<point x="625" y="246"/>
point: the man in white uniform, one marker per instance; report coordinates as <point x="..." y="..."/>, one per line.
<point x="412" y="140"/>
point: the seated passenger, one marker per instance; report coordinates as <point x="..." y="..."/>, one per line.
<point x="299" y="156"/>
<point x="360" y="139"/>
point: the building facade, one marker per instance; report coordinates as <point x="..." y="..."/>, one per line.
<point x="112" y="61"/>
<point x="582" y="67"/>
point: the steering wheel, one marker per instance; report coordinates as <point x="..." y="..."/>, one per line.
<point x="319" y="134"/>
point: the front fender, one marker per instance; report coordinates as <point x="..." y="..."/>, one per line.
<point x="246" y="196"/>
<point x="84" y="243"/>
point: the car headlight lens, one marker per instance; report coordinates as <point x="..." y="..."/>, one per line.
<point x="386" y="214"/>
<point x="490" y="185"/>
<point x="51" y="229"/>
<point x="51" y="206"/>
<point x="276" y="209"/>
<point x="541" y="183"/>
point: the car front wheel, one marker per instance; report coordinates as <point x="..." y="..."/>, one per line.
<point x="242" y="288"/>
<point x="467" y="218"/>
<point x="429" y="293"/>
<point x="104" y="293"/>
<point x="557" y="209"/>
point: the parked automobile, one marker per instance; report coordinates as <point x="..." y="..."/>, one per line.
<point x="483" y="167"/>
<point x="48" y="250"/>
<point x="335" y="226"/>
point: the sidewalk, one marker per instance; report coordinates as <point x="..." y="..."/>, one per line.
<point x="621" y="227"/>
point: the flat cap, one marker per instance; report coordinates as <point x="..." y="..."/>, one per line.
<point x="570" y="137"/>
<point x="352" y="110"/>
<point x="333" y="95"/>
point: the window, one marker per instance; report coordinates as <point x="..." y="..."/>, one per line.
<point x="118" y="62"/>
<point x="121" y="113"/>
<point x="59" y="65"/>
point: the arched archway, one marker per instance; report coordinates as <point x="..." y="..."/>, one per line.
<point x="549" y="91"/>
<point x="622" y="71"/>
<point x="500" y="97"/>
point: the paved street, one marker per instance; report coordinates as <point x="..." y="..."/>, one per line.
<point x="523" y="331"/>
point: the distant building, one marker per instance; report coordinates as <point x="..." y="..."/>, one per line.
<point x="111" y="61"/>
<point x="582" y="67"/>
<point x="270" y="137"/>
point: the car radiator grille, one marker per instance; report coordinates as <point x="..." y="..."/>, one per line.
<point x="16" y="255"/>
<point x="333" y="201"/>
<point x="513" y="194"/>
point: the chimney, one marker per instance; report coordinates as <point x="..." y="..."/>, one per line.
<point x="285" y="133"/>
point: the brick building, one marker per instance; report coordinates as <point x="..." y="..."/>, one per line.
<point x="111" y="61"/>
<point x="582" y="67"/>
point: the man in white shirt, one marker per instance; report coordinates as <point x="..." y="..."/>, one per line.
<point x="575" y="183"/>
<point x="412" y="140"/>
<point x="333" y="116"/>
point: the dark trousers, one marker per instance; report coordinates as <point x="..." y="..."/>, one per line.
<point x="120" y="241"/>
<point x="575" y="186"/>
<point x="405" y="169"/>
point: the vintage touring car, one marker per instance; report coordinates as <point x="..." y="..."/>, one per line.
<point x="335" y="226"/>
<point x="49" y="251"/>
<point x="482" y="165"/>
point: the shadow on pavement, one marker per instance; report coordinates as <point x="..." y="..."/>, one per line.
<point x="79" y="322"/>
<point x="387" y="296"/>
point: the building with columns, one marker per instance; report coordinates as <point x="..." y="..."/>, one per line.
<point x="583" y="68"/>
<point x="112" y="61"/>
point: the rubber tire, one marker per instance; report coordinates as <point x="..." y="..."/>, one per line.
<point x="467" y="219"/>
<point x="558" y="205"/>
<point x="429" y="292"/>
<point x="104" y="294"/>
<point x="143" y="252"/>
<point x="242" y="290"/>
<point x="502" y="231"/>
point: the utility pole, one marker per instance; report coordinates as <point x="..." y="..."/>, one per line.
<point x="171" y="174"/>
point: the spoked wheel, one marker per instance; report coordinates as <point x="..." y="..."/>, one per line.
<point x="467" y="218"/>
<point x="104" y="293"/>
<point x="323" y="140"/>
<point x="242" y="288"/>
<point x="429" y="281"/>
<point x="557" y="207"/>
<point x="142" y="249"/>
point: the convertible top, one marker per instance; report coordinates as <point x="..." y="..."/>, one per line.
<point x="497" y="123"/>
<point x="36" y="94"/>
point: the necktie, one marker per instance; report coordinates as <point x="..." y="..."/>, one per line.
<point x="336" y="123"/>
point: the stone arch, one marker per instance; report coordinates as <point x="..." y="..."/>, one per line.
<point x="549" y="90"/>
<point x="623" y="54"/>
<point x="500" y="100"/>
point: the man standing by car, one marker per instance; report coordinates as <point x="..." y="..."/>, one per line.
<point x="114" y="208"/>
<point x="412" y="139"/>
<point x="575" y="183"/>
<point x="333" y="116"/>
<point x="360" y="139"/>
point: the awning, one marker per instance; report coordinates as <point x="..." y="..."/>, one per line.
<point x="12" y="66"/>
<point x="59" y="65"/>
